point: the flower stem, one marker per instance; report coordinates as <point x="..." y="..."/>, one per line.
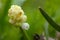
<point x="24" y="32"/>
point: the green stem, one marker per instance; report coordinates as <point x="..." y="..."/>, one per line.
<point x="46" y="30"/>
<point x="25" y="33"/>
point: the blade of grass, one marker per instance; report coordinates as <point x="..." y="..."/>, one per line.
<point x="46" y="30"/>
<point x="5" y="10"/>
<point x="54" y="25"/>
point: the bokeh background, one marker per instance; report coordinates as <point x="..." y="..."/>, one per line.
<point x="37" y="22"/>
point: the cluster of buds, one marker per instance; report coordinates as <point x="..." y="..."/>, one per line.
<point x="17" y="17"/>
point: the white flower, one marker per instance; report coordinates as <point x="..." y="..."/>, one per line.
<point x="25" y="26"/>
<point x="15" y="11"/>
<point x="16" y="15"/>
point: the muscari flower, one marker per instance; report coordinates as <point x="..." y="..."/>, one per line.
<point x="17" y="17"/>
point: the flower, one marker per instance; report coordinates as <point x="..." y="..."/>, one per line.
<point x="17" y="17"/>
<point x="15" y="12"/>
<point x="25" y="26"/>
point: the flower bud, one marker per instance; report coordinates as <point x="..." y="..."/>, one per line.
<point x="25" y="26"/>
<point x="24" y="18"/>
<point x="11" y="21"/>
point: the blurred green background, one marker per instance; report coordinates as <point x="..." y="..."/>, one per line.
<point x="37" y="22"/>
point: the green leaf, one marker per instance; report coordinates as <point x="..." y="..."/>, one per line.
<point x="54" y="25"/>
<point x="5" y="11"/>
